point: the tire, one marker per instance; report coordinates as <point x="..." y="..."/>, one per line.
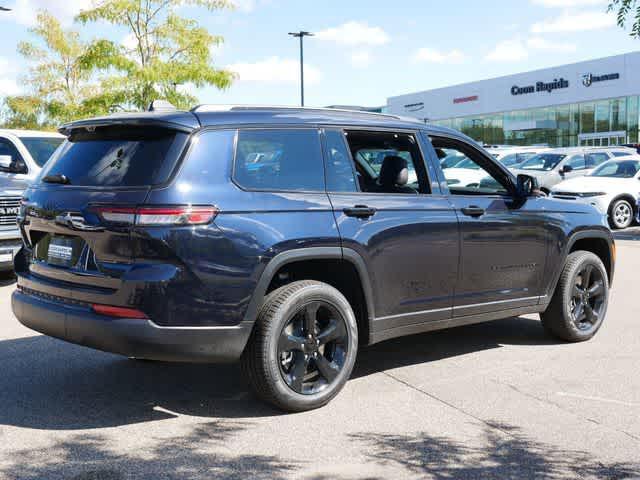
<point x="560" y="318"/>
<point x="620" y="214"/>
<point x="271" y="370"/>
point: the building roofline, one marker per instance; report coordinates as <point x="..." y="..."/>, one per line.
<point x="526" y="72"/>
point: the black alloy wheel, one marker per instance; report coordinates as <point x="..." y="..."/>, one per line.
<point x="312" y="347"/>
<point x="588" y="297"/>
<point x="579" y="304"/>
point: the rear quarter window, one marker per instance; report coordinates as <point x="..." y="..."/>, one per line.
<point x="279" y="159"/>
<point x="117" y="157"/>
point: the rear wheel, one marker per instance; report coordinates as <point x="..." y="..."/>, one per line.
<point x="620" y="214"/>
<point x="579" y="304"/>
<point x="303" y="347"/>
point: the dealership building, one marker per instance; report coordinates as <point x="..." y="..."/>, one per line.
<point x="587" y="103"/>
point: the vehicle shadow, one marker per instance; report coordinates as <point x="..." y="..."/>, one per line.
<point x="433" y="346"/>
<point x="631" y="234"/>
<point x="53" y="385"/>
<point x="7" y="278"/>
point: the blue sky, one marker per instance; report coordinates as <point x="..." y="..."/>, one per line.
<point x="366" y="51"/>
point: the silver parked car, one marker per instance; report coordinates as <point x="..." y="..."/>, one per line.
<point x="556" y="165"/>
<point x="22" y="155"/>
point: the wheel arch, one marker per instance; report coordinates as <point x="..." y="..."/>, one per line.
<point x="598" y="242"/>
<point x="342" y="268"/>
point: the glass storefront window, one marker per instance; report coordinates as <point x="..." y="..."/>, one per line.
<point x="603" y="116"/>
<point x="559" y="125"/>
<point x="587" y="118"/>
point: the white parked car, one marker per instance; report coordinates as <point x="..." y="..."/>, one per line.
<point x="465" y="173"/>
<point x="613" y="187"/>
<point x="555" y="165"/>
<point x="22" y="155"/>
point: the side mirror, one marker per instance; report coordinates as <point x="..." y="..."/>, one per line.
<point x="567" y="169"/>
<point x="5" y="162"/>
<point x="527" y="185"/>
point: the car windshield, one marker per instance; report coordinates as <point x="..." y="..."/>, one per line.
<point x="41" y="148"/>
<point x="618" y="169"/>
<point x="467" y="163"/>
<point x="543" y="162"/>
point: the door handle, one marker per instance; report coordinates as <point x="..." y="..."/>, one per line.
<point x="473" y="211"/>
<point x="359" y="211"/>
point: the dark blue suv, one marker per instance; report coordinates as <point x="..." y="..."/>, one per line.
<point x="285" y="237"/>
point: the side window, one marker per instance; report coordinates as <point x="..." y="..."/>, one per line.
<point x="8" y="148"/>
<point x="576" y="162"/>
<point x="279" y="159"/>
<point x="340" y="174"/>
<point x="595" y="159"/>
<point x="476" y="174"/>
<point x="387" y="162"/>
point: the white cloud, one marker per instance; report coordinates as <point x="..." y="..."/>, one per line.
<point x="575" y="22"/>
<point x="508" y="51"/>
<point x="8" y="82"/>
<point x="129" y="41"/>
<point x="25" y="11"/>
<point x="353" y="34"/>
<point x="275" y="70"/>
<point x="569" y="3"/>
<point x="9" y="86"/>
<point x="539" y="43"/>
<point x="432" y="55"/>
<point x="361" y="59"/>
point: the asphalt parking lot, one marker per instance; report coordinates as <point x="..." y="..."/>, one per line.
<point x="499" y="400"/>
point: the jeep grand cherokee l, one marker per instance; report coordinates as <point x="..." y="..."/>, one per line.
<point x="265" y="235"/>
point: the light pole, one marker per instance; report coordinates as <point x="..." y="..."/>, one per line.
<point x="301" y="34"/>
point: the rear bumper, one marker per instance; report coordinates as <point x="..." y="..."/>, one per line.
<point x="130" y="337"/>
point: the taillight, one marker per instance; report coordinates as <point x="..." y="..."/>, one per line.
<point x="158" y="216"/>
<point x="118" y="312"/>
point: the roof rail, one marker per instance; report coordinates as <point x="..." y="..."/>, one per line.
<point x="206" y="108"/>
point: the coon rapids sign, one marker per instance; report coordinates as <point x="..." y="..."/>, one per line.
<point x="549" y="87"/>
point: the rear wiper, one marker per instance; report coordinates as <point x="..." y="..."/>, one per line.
<point x="57" y="178"/>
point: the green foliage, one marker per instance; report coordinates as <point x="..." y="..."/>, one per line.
<point x="625" y="9"/>
<point x="24" y="111"/>
<point x="163" y="51"/>
<point x="59" y="87"/>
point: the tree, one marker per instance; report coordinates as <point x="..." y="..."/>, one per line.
<point x="626" y="8"/>
<point x="59" y="85"/>
<point x="161" y="51"/>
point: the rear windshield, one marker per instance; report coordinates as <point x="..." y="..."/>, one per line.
<point x="41" y="148"/>
<point x="117" y="157"/>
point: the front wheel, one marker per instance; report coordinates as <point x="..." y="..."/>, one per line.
<point x="620" y="214"/>
<point x="303" y="346"/>
<point x="579" y="304"/>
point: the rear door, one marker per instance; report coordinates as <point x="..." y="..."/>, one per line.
<point x="77" y="217"/>
<point x="406" y="233"/>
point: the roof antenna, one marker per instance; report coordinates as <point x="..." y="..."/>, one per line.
<point x="161" y="106"/>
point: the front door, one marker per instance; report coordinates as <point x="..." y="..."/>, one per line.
<point x="404" y="229"/>
<point x="503" y="242"/>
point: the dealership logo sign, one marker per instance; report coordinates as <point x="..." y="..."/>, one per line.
<point x="557" y="84"/>
<point x="589" y="78"/>
<point x="414" y="107"/>
<point x="472" y="98"/>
